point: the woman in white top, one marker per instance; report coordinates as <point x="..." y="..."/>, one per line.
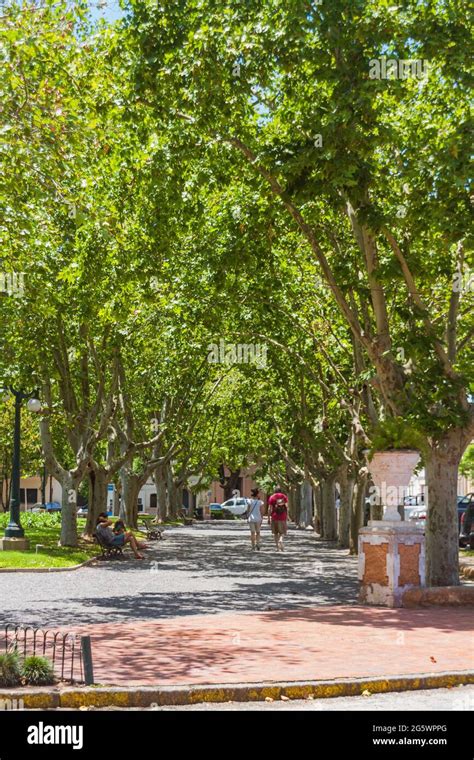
<point x="254" y="516"/>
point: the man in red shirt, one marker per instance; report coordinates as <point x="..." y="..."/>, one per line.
<point x="278" y="514"/>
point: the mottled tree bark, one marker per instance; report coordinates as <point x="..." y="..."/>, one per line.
<point x="98" y="479"/>
<point x="306" y="511"/>
<point x="329" y="527"/>
<point x="442" y="531"/>
<point x="346" y="487"/>
<point x="357" y="511"/>
<point x="318" y="510"/>
<point x="160" y="484"/>
<point x="131" y="485"/>
<point x="68" y="535"/>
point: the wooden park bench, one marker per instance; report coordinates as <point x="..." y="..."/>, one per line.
<point x="153" y="532"/>
<point x="107" y="551"/>
<point x="184" y="517"/>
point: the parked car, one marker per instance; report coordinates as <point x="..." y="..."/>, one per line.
<point x="38" y="508"/>
<point x="463" y="503"/>
<point x="466" y="534"/>
<point x="418" y="517"/>
<point x="236" y="506"/>
<point x="214" y="507"/>
<point x="412" y="503"/>
<point x="53" y="506"/>
<point x="84" y="511"/>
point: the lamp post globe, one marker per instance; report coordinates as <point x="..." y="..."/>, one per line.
<point x="34" y="405"/>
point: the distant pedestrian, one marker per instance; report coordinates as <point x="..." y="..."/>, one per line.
<point x="278" y="516"/>
<point x="254" y="516"/>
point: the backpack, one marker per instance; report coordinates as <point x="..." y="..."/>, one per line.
<point x="280" y="508"/>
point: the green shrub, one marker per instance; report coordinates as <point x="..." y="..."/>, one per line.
<point x="396" y="433"/>
<point x="228" y="515"/>
<point x="10" y="674"/>
<point x="37" y="671"/>
<point x="34" y="519"/>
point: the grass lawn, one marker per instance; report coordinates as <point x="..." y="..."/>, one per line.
<point x="44" y="529"/>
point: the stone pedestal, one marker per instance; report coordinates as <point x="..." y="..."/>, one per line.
<point x="14" y="544"/>
<point x="391" y="561"/>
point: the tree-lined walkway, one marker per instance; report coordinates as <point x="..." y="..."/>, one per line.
<point x="207" y="568"/>
<point x="204" y="608"/>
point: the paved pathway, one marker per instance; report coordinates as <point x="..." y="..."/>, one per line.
<point x="207" y="568"/>
<point x="311" y="643"/>
<point x="203" y="608"/>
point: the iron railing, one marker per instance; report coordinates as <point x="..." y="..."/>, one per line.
<point x="69" y="654"/>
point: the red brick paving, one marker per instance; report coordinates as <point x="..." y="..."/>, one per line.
<point x="283" y="645"/>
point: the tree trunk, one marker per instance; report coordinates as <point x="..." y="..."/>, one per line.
<point x="229" y="482"/>
<point x="346" y="488"/>
<point x="98" y="480"/>
<point x="294" y="503"/>
<point x="442" y="532"/>
<point x="68" y="535"/>
<point x="131" y="486"/>
<point x="179" y="499"/>
<point x="318" y="510"/>
<point x="4" y="493"/>
<point x="329" y="530"/>
<point x="160" y="485"/>
<point x="357" y="512"/>
<point x="172" y="494"/>
<point x="117" y="492"/>
<point x="306" y="512"/>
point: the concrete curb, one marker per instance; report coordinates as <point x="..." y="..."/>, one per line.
<point x="73" y="698"/>
<point x="48" y="569"/>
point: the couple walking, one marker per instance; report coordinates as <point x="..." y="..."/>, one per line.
<point x="277" y="516"/>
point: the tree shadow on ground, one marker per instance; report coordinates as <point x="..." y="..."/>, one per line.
<point x="309" y="572"/>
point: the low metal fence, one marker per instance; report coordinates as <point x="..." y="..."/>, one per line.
<point x="70" y="654"/>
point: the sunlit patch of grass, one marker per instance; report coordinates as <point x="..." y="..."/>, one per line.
<point x="44" y="530"/>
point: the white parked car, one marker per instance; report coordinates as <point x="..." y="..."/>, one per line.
<point x="418" y="517"/>
<point x="236" y="506"/>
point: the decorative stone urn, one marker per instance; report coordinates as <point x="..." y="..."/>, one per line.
<point x="391" y="552"/>
<point x="391" y="472"/>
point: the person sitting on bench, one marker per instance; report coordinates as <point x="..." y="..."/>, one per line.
<point x="107" y="535"/>
<point x="119" y="528"/>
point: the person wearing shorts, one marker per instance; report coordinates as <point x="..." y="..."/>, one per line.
<point x="254" y="518"/>
<point x="120" y="539"/>
<point x="278" y="516"/>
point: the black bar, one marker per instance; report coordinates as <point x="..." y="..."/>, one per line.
<point x="86" y="650"/>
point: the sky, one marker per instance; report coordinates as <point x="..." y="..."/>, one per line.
<point x="107" y="9"/>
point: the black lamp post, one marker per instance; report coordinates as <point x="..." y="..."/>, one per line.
<point x="14" y="529"/>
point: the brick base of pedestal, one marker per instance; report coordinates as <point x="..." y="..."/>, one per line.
<point x="14" y="544"/>
<point x="391" y="561"/>
<point x="447" y="596"/>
